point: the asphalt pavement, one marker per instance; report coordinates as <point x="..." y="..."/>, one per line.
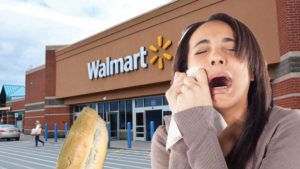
<point x="23" y="154"/>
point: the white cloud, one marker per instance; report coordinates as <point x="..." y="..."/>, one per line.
<point x="6" y="48"/>
<point x="27" y="26"/>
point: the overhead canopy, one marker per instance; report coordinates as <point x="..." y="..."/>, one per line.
<point x="11" y="92"/>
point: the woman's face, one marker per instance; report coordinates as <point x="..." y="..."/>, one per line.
<point x="212" y="47"/>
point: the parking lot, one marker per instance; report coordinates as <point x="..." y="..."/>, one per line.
<point x="23" y="154"/>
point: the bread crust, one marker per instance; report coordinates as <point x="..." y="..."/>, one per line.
<point x="88" y="129"/>
<point x="99" y="148"/>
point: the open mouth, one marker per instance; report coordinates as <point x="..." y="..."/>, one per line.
<point x="220" y="82"/>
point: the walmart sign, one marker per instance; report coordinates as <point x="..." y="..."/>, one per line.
<point x="99" y="69"/>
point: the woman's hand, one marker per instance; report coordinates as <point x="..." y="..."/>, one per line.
<point x="194" y="92"/>
<point x="175" y="89"/>
<point x="187" y="92"/>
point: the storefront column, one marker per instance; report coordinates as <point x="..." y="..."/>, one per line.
<point x="286" y="85"/>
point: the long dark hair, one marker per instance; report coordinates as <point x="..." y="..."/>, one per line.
<point x="259" y="94"/>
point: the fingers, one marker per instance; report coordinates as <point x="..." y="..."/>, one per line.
<point x="201" y="77"/>
<point x="190" y="82"/>
<point x="177" y="83"/>
<point x="189" y="91"/>
<point x="178" y="77"/>
<point x="185" y="89"/>
<point x="184" y="83"/>
<point x="175" y="89"/>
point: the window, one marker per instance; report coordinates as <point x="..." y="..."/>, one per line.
<point x="81" y="107"/>
<point x="153" y="101"/>
<point x="114" y="106"/>
<point x="166" y="113"/>
<point x="165" y="101"/>
<point x="122" y="114"/>
<point x="139" y="102"/>
<point x="106" y="109"/>
<point x="76" y="109"/>
<point x="101" y="110"/>
<point x="93" y="106"/>
<point x="128" y="112"/>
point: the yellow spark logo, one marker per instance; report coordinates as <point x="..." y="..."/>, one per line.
<point x="154" y="49"/>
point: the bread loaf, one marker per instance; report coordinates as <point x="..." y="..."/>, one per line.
<point x="86" y="144"/>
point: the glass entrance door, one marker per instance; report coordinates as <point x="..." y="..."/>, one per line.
<point x="113" y="118"/>
<point x="140" y="126"/>
<point x="156" y="117"/>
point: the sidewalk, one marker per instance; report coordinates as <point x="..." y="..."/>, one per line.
<point x="115" y="144"/>
<point x="135" y="145"/>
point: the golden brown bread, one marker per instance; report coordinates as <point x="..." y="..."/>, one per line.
<point x="86" y="144"/>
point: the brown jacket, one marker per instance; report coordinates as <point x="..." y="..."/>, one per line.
<point x="278" y="146"/>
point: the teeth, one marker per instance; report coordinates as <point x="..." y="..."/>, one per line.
<point x="222" y="87"/>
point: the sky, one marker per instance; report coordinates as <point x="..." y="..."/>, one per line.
<point x="28" y="26"/>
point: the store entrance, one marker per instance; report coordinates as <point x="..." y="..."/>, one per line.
<point x="156" y="117"/>
<point x="140" y="126"/>
<point x="142" y="118"/>
<point x="113" y="118"/>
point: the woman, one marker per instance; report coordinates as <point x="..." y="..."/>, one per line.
<point x="38" y="129"/>
<point x="232" y="84"/>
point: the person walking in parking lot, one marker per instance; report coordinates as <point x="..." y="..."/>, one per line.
<point x="38" y="129"/>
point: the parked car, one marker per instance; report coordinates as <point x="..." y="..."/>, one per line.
<point x="8" y="131"/>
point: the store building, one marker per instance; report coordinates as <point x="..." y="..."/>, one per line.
<point x="123" y="72"/>
<point x="12" y="100"/>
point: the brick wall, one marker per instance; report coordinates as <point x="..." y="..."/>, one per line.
<point x="50" y="71"/>
<point x="35" y="96"/>
<point x="59" y="115"/>
<point x="35" y="86"/>
<point x="30" y="118"/>
<point x="41" y="103"/>
<point x="290" y="102"/>
<point x="286" y="86"/>
<point x="288" y="14"/>
<point x="16" y="105"/>
<point x="10" y="119"/>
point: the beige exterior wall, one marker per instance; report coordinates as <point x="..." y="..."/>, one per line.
<point x="74" y="86"/>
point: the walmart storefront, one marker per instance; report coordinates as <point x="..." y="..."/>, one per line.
<point x="124" y="71"/>
<point x="138" y="111"/>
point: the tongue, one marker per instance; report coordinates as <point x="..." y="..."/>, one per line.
<point x="220" y="87"/>
<point x="220" y="84"/>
